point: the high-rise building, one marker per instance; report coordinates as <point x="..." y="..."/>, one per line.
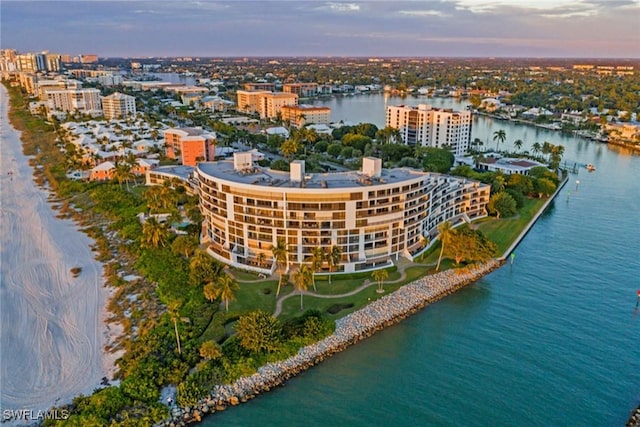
<point x="272" y="103"/>
<point x="249" y="100"/>
<point x="190" y="145"/>
<point x="53" y="61"/>
<point x="374" y="216"/>
<point x="432" y="127"/>
<point x="31" y="62"/>
<point x="118" y="105"/>
<point x="69" y="100"/>
<point x="45" y="86"/>
<point x="8" y="60"/>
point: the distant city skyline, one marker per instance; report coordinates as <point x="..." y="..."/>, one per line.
<point x="445" y="28"/>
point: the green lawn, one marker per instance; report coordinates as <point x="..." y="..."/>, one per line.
<point x="340" y="286"/>
<point x="503" y="232"/>
<point x="257" y="296"/>
<point x="291" y="307"/>
<point x="242" y="275"/>
<point x="261" y="295"/>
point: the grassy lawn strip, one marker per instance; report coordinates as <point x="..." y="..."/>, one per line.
<point x="291" y="307"/>
<point x="257" y="296"/>
<point x="503" y="232"/>
<point x="244" y="276"/>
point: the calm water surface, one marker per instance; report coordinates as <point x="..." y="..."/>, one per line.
<point x="553" y="340"/>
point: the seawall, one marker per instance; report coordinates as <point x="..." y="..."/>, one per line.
<point x="355" y="327"/>
<point x="524" y="232"/>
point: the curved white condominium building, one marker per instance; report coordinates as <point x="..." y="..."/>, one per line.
<point x="373" y="216"/>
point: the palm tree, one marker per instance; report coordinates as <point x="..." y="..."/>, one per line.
<point x="210" y="292"/>
<point x="317" y="259"/>
<point x="301" y="280"/>
<point x="289" y="148"/>
<point x="225" y="288"/>
<point x="333" y="259"/>
<point x="173" y="313"/>
<point x="499" y="136"/>
<point x="546" y="147"/>
<point x="154" y="233"/>
<point x="261" y="258"/>
<point x="281" y="257"/>
<point x="518" y="144"/>
<point x="122" y="173"/>
<point x="444" y="235"/>
<point x="380" y="276"/>
<point x="556" y="152"/>
<point x="536" y="148"/>
<point x="477" y="143"/>
<point x="499" y="183"/>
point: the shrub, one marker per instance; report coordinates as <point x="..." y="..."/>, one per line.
<point x="502" y="204"/>
<point x="259" y="332"/>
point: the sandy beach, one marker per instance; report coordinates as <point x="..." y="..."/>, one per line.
<point x="52" y="324"/>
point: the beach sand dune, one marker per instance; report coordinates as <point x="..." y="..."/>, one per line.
<point x="51" y="323"/>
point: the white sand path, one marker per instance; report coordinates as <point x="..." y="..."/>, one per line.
<point x="51" y="324"/>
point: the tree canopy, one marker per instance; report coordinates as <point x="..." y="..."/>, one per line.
<point x="259" y="332"/>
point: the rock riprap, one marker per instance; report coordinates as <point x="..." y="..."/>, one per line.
<point x="350" y="329"/>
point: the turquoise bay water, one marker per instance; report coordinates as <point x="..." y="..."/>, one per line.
<point x="553" y="340"/>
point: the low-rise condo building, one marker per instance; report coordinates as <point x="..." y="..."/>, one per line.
<point x="266" y="104"/>
<point x="301" y="89"/>
<point x="431" y="127"/>
<point x="300" y="115"/>
<point x="190" y="145"/>
<point x="374" y="216"/>
<point x="268" y="87"/>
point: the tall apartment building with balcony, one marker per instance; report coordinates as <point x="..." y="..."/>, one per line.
<point x="374" y="216"/>
<point x="432" y="127"/>
<point x="118" y="105"/>
<point x="190" y="145"/>
<point x="266" y="104"/>
<point x="70" y="100"/>
<point x="300" y="115"/>
<point x="249" y="100"/>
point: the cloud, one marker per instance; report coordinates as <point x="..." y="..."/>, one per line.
<point x="342" y="7"/>
<point x="452" y="27"/>
<point x="423" y="13"/>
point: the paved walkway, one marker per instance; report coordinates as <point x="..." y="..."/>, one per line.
<point x="367" y="283"/>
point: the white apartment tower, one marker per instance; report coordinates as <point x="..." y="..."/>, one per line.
<point x="118" y="105"/>
<point x="83" y="100"/>
<point x="431" y="127"/>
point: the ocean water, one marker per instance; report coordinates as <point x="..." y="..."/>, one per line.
<point x="552" y="340"/>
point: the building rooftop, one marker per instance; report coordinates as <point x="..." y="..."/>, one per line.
<point x="180" y="171"/>
<point x="265" y="177"/>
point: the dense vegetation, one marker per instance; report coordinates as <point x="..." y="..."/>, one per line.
<point x="171" y="324"/>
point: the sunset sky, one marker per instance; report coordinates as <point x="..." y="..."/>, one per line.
<point x="480" y="28"/>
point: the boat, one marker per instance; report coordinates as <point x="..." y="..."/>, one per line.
<point x="590" y="167"/>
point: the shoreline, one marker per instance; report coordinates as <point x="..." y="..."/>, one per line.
<point x="351" y="329"/>
<point x="54" y="324"/>
<point x="531" y="223"/>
